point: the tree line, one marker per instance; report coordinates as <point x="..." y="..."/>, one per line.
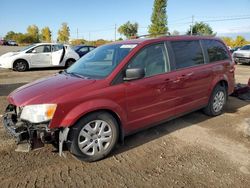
<point x="34" y="35"/>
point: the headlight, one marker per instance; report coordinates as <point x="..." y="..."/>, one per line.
<point x="38" y="113"/>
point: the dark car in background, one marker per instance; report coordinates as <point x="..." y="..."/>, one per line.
<point x="83" y="49"/>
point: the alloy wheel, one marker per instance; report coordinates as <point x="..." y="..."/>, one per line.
<point x="95" y="137"/>
<point x="219" y="100"/>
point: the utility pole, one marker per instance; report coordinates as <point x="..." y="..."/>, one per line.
<point x="191" y="29"/>
<point x="76" y="33"/>
<point x="115" y="32"/>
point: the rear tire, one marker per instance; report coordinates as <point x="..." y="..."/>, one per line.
<point x="20" y="65"/>
<point x="93" y="137"/>
<point x="70" y="62"/>
<point x="217" y="101"/>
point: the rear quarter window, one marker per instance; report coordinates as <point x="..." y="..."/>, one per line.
<point x="216" y="50"/>
<point x="187" y="53"/>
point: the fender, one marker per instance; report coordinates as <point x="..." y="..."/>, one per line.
<point x="84" y="108"/>
<point x="215" y="81"/>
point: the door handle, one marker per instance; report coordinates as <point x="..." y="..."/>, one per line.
<point x="189" y="74"/>
<point x="185" y="76"/>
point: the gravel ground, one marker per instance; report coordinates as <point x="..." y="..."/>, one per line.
<point x="191" y="151"/>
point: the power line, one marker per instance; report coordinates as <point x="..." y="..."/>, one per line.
<point x="227" y="19"/>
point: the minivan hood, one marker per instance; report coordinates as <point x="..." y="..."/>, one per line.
<point x="47" y="90"/>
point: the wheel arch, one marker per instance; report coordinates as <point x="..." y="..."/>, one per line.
<point x="114" y="114"/>
<point x="222" y="81"/>
<point x="68" y="59"/>
<point x="18" y="59"/>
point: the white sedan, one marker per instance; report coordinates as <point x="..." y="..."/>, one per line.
<point x="39" y="55"/>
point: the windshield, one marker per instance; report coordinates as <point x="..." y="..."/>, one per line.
<point x="100" y="62"/>
<point x="247" y="47"/>
<point x="27" y="47"/>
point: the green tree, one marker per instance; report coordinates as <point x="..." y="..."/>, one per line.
<point x="63" y="33"/>
<point x="10" y="35"/>
<point x="201" y="28"/>
<point x="24" y="38"/>
<point x="159" y="18"/>
<point x="228" y="41"/>
<point x="128" y="29"/>
<point x="240" y="41"/>
<point x="78" y="42"/>
<point x="46" y="34"/>
<point x="33" y="32"/>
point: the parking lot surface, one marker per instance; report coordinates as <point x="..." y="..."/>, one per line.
<point x="191" y="151"/>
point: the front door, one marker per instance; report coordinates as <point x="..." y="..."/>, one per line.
<point x="41" y="56"/>
<point x="151" y="98"/>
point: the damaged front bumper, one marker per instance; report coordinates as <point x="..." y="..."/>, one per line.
<point x="28" y="136"/>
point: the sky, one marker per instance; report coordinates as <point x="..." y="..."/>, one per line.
<point x="95" y="19"/>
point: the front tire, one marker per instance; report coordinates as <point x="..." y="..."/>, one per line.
<point x="93" y="137"/>
<point x="20" y="65"/>
<point x="217" y="101"/>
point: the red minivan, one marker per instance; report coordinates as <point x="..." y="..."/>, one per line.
<point x="118" y="89"/>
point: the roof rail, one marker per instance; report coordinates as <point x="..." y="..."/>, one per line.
<point x="150" y="35"/>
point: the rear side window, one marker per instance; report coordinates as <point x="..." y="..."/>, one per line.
<point x="187" y="53"/>
<point x="216" y="50"/>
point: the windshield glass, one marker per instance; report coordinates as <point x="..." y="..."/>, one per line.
<point x="100" y="62"/>
<point x="27" y="47"/>
<point x="247" y="47"/>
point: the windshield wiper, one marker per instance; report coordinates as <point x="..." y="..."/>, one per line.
<point x="73" y="74"/>
<point x="76" y="75"/>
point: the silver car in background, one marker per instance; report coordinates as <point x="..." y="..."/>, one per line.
<point x="242" y="55"/>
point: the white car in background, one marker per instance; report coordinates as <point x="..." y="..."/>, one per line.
<point x="242" y="55"/>
<point x="39" y="55"/>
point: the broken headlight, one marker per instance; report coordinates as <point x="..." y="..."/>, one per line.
<point x="38" y="113"/>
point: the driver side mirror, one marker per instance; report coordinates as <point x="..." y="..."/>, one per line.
<point x="134" y="74"/>
<point x="34" y="51"/>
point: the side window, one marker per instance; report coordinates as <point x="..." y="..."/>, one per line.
<point x="57" y="48"/>
<point x="91" y="48"/>
<point x="152" y="59"/>
<point x="84" y="49"/>
<point x="187" y="53"/>
<point x="43" y="49"/>
<point x="216" y="50"/>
